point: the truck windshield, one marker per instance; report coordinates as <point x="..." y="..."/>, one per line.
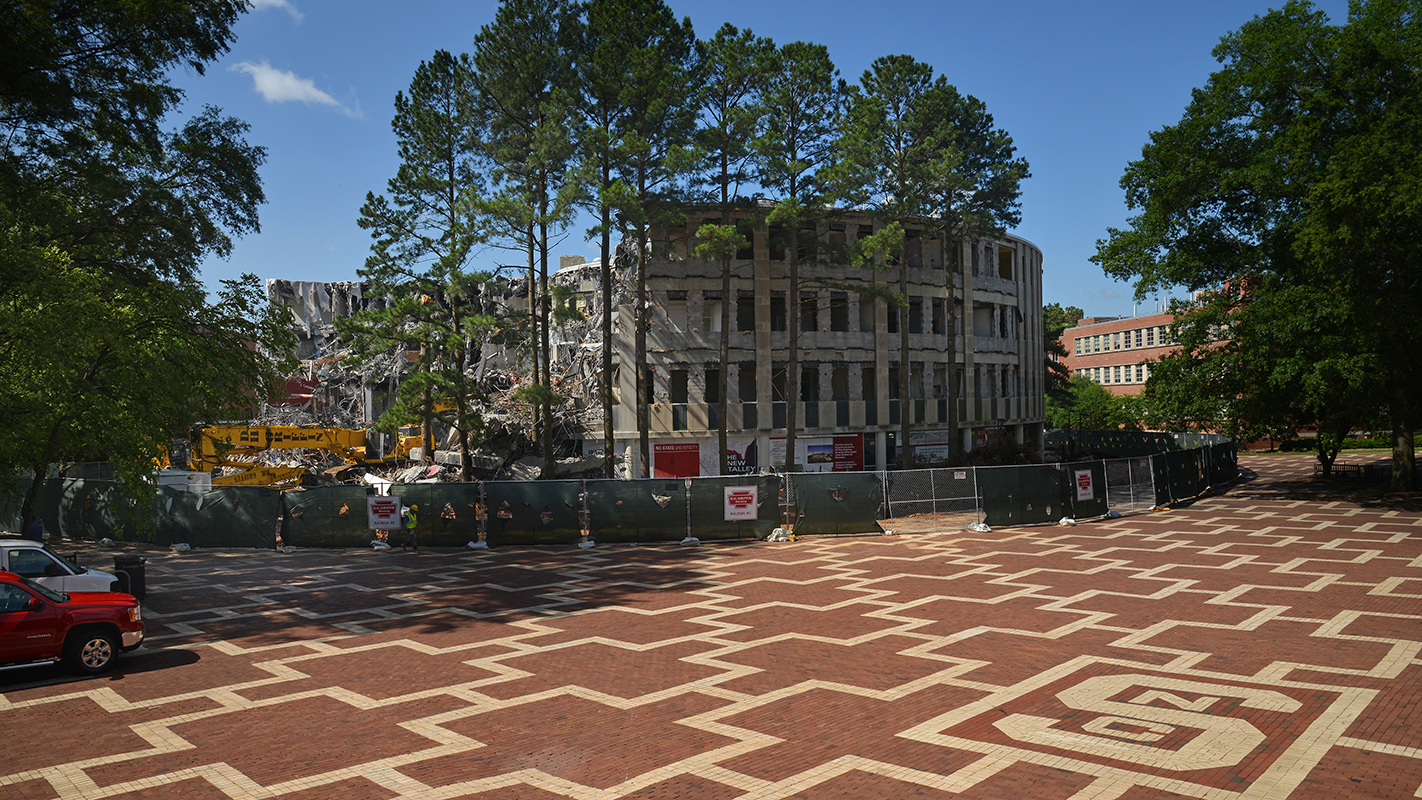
<point x="50" y="594"/>
<point x="70" y="565"/>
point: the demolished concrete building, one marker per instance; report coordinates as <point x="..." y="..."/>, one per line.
<point x="974" y="314"/>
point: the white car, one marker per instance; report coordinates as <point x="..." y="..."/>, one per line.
<point x="51" y="570"/>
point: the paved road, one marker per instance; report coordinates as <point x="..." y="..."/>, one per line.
<point x="1253" y="644"/>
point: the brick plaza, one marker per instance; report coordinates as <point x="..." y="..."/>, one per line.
<point x="1260" y="642"/>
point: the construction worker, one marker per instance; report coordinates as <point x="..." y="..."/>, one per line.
<point x="412" y="529"/>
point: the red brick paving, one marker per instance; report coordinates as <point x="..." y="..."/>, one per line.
<point x="1113" y="660"/>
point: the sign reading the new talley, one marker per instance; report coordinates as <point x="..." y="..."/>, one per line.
<point x="383" y="513"/>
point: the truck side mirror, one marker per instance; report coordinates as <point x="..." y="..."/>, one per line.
<point x="53" y="570"/>
<point x="35" y="604"/>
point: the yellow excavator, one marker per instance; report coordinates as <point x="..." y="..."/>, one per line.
<point x="215" y="446"/>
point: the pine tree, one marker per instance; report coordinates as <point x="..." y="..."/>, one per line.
<point x="801" y="106"/>
<point x="523" y="74"/>
<point x="734" y="68"/>
<point x="425" y="233"/>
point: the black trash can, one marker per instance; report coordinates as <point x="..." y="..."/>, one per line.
<point x="130" y="571"/>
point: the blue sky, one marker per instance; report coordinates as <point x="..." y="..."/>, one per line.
<point x="1079" y="85"/>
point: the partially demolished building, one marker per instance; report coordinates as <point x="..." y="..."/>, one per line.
<point x="974" y="318"/>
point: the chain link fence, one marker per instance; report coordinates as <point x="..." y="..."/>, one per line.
<point x="656" y="510"/>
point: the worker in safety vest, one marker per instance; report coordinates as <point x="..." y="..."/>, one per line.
<point x="412" y="528"/>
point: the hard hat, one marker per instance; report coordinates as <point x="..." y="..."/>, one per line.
<point x="414" y="507"/>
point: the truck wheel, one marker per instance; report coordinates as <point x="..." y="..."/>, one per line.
<point x="90" y="651"/>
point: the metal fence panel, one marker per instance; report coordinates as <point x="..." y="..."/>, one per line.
<point x="325" y="516"/>
<point x="1129" y="486"/>
<point x="910" y="506"/>
<point x="836" y="502"/>
<point x="637" y="511"/>
<point x="529" y="512"/>
<point x="708" y="502"/>
<point x="1021" y="495"/>
<point x="228" y="516"/>
<point x="955" y="498"/>
<point x="1090" y="500"/>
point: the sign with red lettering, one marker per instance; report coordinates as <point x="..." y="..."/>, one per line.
<point x="383" y="513"/>
<point x="1084" y="490"/>
<point x="741" y="503"/>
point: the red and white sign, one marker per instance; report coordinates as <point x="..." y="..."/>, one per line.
<point x="741" y="503"/>
<point x="383" y="513"/>
<point x="676" y="459"/>
<point x="1084" y="490"/>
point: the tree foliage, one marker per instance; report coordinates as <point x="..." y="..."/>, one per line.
<point x="917" y="151"/>
<point x="1293" y="178"/>
<point x="800" y="109"/>
<point x="1055" y="321"/>
<point x="426" y="229"/>
<point x="111" y="345"/>
<point x="523" y="72"/>
<point x="734" y="67"/>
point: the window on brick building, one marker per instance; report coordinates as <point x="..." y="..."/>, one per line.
<point x="809" y="311"/>
<point x="839" y="312"/>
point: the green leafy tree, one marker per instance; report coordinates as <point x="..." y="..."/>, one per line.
<point x="734" y="67"/>
<point x="885" y="167"/>
<point x="973" y="183"/>
<point x="915" y="150"/>
<point x="1055" y="321"/>
<point x="637" y="76"/>
<point x="111" y="346"/>
<point x="1298" y="165"/>
<point x="1087" y="405"/>
<point x="800" y="108"/>
<point x="1289" y="362"/>
<point x="524" y="73"/>
<point x="426" y="229"/>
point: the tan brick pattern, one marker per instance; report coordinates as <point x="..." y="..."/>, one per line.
<point x="1253" y="644"/>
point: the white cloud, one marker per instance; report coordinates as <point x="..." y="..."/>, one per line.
<point x="280" y="86"/>
<point x="284" y="5"/>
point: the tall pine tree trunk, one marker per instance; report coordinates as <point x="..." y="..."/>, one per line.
<point x="608" y="430"/>
<point x="545" y="303"/>
<point x="643" y="418"/>
<point x="905" y="404"/>
<point x="792" y="360"/>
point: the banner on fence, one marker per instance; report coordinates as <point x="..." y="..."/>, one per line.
<point x="383" y="513"/>
<point x="741" y="503"/>
<point x="1084" y="489"/>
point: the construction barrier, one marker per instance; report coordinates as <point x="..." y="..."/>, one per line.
<point x="229" y="516"/>
<point x="835" y="502"/>
<point x="325" y="516"/>
<point x="657" y="510"/>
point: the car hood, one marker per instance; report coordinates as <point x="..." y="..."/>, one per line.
<point x="102" y="598"/>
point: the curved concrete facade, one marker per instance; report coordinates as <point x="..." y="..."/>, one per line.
<point x="975" y="338"/>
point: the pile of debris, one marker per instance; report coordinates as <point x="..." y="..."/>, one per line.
<point x="333" y="388"/>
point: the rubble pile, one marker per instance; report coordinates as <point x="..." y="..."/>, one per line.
<point x="332" y="388"/>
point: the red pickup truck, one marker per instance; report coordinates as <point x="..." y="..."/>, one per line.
<point x="87" y="630"/>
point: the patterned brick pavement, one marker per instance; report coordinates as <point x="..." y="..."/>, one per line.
<point x="1251" y="644"/>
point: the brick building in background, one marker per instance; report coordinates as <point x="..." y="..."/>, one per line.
<point x="1116" y="351"/>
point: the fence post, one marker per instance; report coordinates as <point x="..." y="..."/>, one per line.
<point x="977" y="496"/>
<point x="481" y="515"/>
<point x="586" y="511"/>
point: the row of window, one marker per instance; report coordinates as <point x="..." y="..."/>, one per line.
<point x="815" y="314"/>
<point x="920" y="251"/>
<point x="992" y="380"/>
<point x="1128" y="373"/>
<point x="1152" y="336"/>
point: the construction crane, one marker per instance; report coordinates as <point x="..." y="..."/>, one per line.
<point x="221" y="446"/>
